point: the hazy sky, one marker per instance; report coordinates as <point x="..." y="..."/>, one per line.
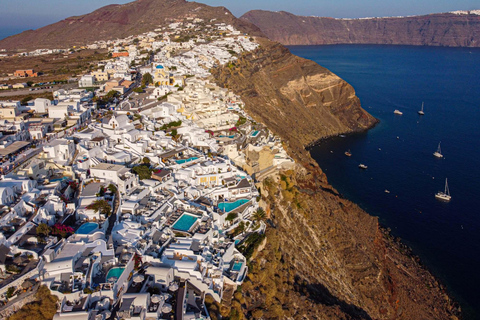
<point x="25" y="14"/>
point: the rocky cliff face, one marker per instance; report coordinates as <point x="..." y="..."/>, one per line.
<point x="294" y="97"/>
<point x="324" y="257"/>
<point x="446" y="29"/>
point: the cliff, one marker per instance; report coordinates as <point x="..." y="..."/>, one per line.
<point x="444" y="29"/>
<point x="323" y="256"/>
<point x="119" y="21"/>
<point x="296" y="98"/>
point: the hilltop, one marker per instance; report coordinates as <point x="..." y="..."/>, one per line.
<point x="454" y="29"/>
<point x="119" y="21"/>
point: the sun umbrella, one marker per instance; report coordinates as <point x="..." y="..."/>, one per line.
<point x="173" y="287"/>
<point x="167" y="307"/>
<point x="156" y="298"/>
<point x="138" y="278"/>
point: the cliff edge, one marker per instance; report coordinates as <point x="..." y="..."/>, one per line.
<point x="323" y="256"/>
<point x="460" y="29"/>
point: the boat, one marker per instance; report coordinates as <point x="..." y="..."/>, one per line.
<point x="438" y="153"/>
<point x="348" y="153"/>
<point x="420" y="112"/>
<point x="445" y="195"/>
<point x="387" y="191"/>
<point x="398" y="112"/>
<point x="362" y="166"/>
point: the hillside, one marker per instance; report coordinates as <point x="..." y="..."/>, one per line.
<point x="444" y="29"/>
<point x="324" y="257"/>
<point x="118" y="21"/>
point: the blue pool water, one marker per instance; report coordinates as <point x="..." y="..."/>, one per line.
<point x="114" y="272"/>
<point x="59" y="179"/>
<point x="87" y="228"/>
<point x="186" y="160"/>
<point x="229" y="206"/>
<point x="185" y="222"/>
<point x="224" y="136"/>
<point x="237" y="266"/>
<point x="445" y="235"/>
<point x="255" y="133"/>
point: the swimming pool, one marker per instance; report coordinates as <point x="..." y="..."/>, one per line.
<point x="87" y="228"/>
<point x="59" y="179"/>
<point x="229" y="206"/>
<point x="255" y="133"/>
<point x="114" y="273"/>
<point x="237" y="266"/>
<point x="224" y="136"/>
<point x="185" y="222"/>
<point x="186" y="160"/>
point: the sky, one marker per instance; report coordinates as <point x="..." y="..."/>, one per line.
<point x="18" y="15"/>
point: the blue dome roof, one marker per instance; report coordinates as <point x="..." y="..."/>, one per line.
<point x="159" y="67"/>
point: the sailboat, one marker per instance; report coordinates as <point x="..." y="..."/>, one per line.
<point x="438" y="153"/>
<point x="445" y="195"/>
<point x="348" y="153"/>
<point x="420" y="112"/>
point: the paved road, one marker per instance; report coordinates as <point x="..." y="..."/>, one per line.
<point x="21" y="92"/>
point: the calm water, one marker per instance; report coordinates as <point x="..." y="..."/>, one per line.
<point x="6" y="32"/>
<point x="445" y="235"/>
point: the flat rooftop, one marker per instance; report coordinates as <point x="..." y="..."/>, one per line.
<point x="109" y="167"/>
<point x="14" y="147"/>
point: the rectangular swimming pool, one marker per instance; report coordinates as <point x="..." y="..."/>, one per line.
<point x="114" y="273"/>
<point x="255" y="133"/>
<point x="237" y="266"/>
<point x="182" y="161"/>
<point x="229" y="206"/>
<point x="185" y="222"/>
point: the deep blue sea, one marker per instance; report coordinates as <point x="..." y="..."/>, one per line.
<point x="399" y="152"/>
<point x="9" y="31"/>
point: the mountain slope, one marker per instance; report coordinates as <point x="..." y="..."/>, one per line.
<point x="445" y="29"/>
<point x="118" y="21"/>
<point x="324" y="257"/>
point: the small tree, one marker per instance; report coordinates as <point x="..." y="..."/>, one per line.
<point x="147" y="79"/>
<point x="259" y="215"/>
<point x="43" y="229"/>
<point x="231" y="216"/>
<point x="112" y="188"/>
<point x="101" y="206"/>
<point x="10" y="292"/>
<point x="146" y="160"/>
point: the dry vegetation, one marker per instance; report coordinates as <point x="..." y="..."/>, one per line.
<point x="43" y="308"/>
<point x="53" y="66"/>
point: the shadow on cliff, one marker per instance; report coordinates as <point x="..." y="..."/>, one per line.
<point x="319" y="294"/>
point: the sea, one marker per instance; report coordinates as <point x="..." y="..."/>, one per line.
<point x="399" y="152"/>
<point x="10" y="31"/>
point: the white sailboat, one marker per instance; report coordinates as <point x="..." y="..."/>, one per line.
<point x="445" y="195"/>
<point x="420" y="112"/>
<point x="398" y="112"/>
<point x="438" y="153"/>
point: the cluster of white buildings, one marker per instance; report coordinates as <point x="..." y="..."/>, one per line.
<point x="145" y="206"/>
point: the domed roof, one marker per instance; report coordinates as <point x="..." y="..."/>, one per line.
<point x="159" y="67"/>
